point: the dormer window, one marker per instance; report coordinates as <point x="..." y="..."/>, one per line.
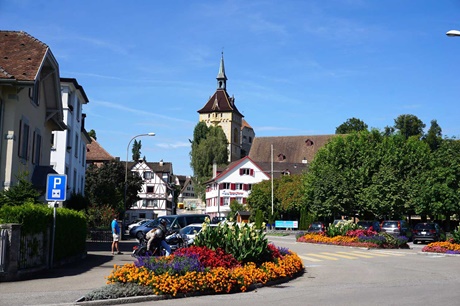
<point x="281" y="157"/>
<point x="309" y="142"/>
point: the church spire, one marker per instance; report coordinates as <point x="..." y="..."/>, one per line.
<point x="221" y="77"/>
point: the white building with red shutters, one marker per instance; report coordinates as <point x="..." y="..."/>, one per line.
<point x="233" y="183"/>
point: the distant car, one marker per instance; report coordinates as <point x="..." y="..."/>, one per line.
<point x="190" y="231"/>
<point x="339" y="222"/>
<point x="365" y="224"/>
<point x="316" y="227"/>
<point x="138" y="223"/>
<point x="397" y="228"/>
<point x="174" y="224"/>
<point x="428" y="231"/>
<point x="216" y="220"/>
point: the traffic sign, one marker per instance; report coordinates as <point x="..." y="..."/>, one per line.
<point x="56" y="187"/>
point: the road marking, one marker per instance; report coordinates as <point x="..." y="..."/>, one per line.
<point x="371" y="253"/>
<point x="310" y="258"/>
<point x="392" y="253"/>
<point x="359" y="254"/>
<point x="341" y="255"/>
<point x="322" y="256"/>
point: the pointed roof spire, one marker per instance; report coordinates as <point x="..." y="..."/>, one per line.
<point x="221" y="77"/>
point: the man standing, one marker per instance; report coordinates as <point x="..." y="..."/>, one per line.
<point x="116" y="235"/>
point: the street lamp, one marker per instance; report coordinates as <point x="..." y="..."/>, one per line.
<point x="126" y="163"/>
<point x="453" y="33"/>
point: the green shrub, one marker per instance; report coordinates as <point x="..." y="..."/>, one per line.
<point x="245" y="242"/>
<point x="456" y="235"/>
<point x="118" y="290"/>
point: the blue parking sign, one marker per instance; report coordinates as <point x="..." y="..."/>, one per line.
<point x="56" y="187"/>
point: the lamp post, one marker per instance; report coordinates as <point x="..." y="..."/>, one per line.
<point x="453" y="33"/>
<point x="126" y="164"/>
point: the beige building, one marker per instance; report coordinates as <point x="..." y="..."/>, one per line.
<point x="221" y="110"/>
<point x="30" y="108"/>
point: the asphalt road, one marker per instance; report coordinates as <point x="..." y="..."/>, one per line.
<point x="334" y="276"/>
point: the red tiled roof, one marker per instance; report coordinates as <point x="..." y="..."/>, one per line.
<point x="95" y="152"/>
<point x="21" y="55"/>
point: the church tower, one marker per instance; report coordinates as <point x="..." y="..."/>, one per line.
<point x="221" y="110"/>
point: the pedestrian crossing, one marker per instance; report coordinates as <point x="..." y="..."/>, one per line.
<point x="350" y="255"/>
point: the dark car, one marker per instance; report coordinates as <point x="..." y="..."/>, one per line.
<point x="174" y="223"/>
<point x="397" y="228"/>
<point x="428" y="231"/>
<point x="373" y="225"/>
<point x="316" y="227"/>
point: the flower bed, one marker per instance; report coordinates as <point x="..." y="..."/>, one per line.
<point x="446" y="247"/>
<point x="357" y="238"/>
<point x="202" y="270"/>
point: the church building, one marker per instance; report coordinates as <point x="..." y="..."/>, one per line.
<point x="221" y="110"/>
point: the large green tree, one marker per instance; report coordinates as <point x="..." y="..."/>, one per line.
<point x="366" y="173"/>
<point x="209" y="145"/>
<point x="136" y="150"/>
<point x="434" y="136"/>
<point x="351" y="125"/>
<point x="409" y="125"/>
<point x="440" y="192"/>
<point x="105" y="185"/>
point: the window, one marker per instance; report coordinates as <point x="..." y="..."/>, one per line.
<point x="76" y="146"/>
<point x="235" y="135"/>
<point x="247" y="171"/>
<point x="34" y="93"/>
<point x="250" y="139"/>
<point x="148" y="175"/>
<point x="36" y="148"/>
<point x="150" y="189"/>
<point x="224" y="186"/>
<point x="23" y="150"/>
<point x="150" y="203"/>
<point x="238" y="186"/>
<point x="77" y="105"/>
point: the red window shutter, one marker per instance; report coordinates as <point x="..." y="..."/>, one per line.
<point x="245" y="186"/>
<point x="221" y="186"/>
<point x="252" y="172"/>
<point x="245" y="200"/>
<point x="241" y="171"/>
<point x="232" y="186"/>
<point x="221" y="201"/>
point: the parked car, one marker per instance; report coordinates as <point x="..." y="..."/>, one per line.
<point x="216" y="220"/>
<point x="373" y="225"/>
<point x="316" y="227"/>
<point x="339" y="222"/>
<point x="191" y="230"/>
<point x="428" y="231"/>
<point x="137" y="223"/>
<point x="174" y="223"/>
<point x="397" y="228"/>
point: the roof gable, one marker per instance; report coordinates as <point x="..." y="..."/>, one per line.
<point x="95" y="152"/>
<point x="236" y="165"/>
<point x="220" y="101"/>
<point x="22" y="55"/>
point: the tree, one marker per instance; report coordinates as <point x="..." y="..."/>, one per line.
<point x="261" y="199"/>
<point x="434" y="136"/>
<point x="289" y="193"/>
<point x="350" y="126"/>
<point x="209" y="145"/>
<point x="92" y="134"/>
<point x="235" y="207"/>
<point x="409" y="125"/>
<point x="18" y="194"/>
<point x="440" y="191"/>
<point x="137" y="145"/>
<point x="105" y="185"/>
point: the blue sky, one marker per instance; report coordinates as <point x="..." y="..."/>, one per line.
<point x="295" y="67"/>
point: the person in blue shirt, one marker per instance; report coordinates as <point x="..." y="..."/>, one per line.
<point x="116" y="235"/>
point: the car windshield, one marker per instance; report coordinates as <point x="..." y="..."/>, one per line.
<point x="424" y="226"/>
<point x="316" y="225"/>
<point x="364" y="223"/>
<point x="390" y="224"/>
<point x="190" y="230"/>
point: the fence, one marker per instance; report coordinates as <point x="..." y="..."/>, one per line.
<point x="3" y="249"/>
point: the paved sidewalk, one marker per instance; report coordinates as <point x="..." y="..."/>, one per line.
<point x="65" y="285"/>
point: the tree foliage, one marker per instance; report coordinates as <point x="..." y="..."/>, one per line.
<point x="350" y="126"/>
<point x="367" y="173"/>
<point x="434" y="136"/>
<point x="409" y="125"/>
<point x="92" y="133"/>
<point x="136" y="150"/>
<point x="209" y="145"/>
<point x="18" y="194"/>
<point x="105" y="185"/>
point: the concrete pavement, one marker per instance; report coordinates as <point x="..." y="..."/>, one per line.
<point x="66" y="284"/>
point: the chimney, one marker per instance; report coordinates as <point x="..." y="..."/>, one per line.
<point x="161" y="163"/>
<point x="214" y="169"/>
